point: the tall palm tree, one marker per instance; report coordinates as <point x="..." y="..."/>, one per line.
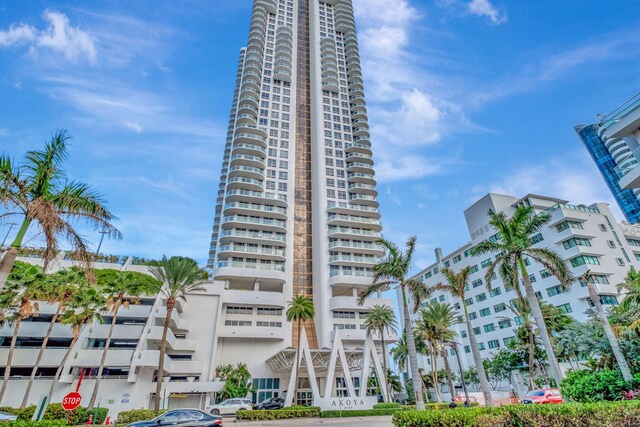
<point x="120" y="288"/>
<point x="83" y="309"/>
<point x="179" y="276"/>
<point x="608" y="330"/>
<point x="39" y="191"/>
<point x="630" y="305"/>
<point x="60" y="288"/>
<point x="434" y="325"/>
<point x="521" y="310"/>
<point x="18" y="301"/>
<point x="399" y="353"/>
<point x="456" y="285"/>
<point x="512" y="246"/>
<point x="394" y="269"/>
<point x="300" y="310"/>
<point x="379" y="319"/>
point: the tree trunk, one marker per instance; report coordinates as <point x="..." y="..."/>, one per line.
<point x="413" y="355"/>
<point x="477" y="359"/>
<point x="556" y="373"/>
<point x="298" y="361"/>
<point x="384" y="367"/>
<point x="532" y="354"/>
<point x="8" y="258"/>
<point x="447" y="368"/>
<point x="608" y="331"/>
<point x="434" y="372"/>
<point x="7" y="369"/>
<point x="56" y="379"/>
<point x="96" y="386"/>
<point x="163" y="350"/>
<point x="25" y="399"/>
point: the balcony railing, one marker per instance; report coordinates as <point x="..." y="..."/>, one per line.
<point x="628" y="164"/>
<point x="572" y="207"/>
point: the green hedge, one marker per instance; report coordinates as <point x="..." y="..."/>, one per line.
<point x="49" y="423"/>
<point x="387" y="405"/>
<point x="359" y="413"/>
<point x="590" y="386"/>
<point x="439" y="405"/>
<point x="126" y="417"/>
<point x="23" y="414"/>
<point x="55" y="412"/>
<point x="278" y="414"/>
<point x="602" y="414"/>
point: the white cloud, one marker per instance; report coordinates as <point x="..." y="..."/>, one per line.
<point x="486" y="9"/>
<point x="59" y="36"/>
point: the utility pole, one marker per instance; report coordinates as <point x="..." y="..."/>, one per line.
<point x="103" y="232"/>
<point x="11" y="225"/>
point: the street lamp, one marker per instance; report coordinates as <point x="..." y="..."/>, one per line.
<point x="464" y="383"/>
<point x="11" y="224"/>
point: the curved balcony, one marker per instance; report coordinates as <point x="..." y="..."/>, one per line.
<point x="355" y="78"/>
<point x="253" y="68"/>
<point x="247" y="108"/>
<point x="250" y="237"/>
<point x="248" y="90"/>
<point x="247" y="160"/>
<point x="251" y="100"/>
<point x="349" y="209"/>
<point x="254" y="44"/>
<point x="356" y="97"/>
<point x="253" y="60"/>
<point x="360" y="167"/>
<point x="233" y="208"/>
<point x="259" y="14"/>
<point x="363" y="189"/>
<point x="283" y="75"/>
<point x="358" y="106"/>
<point x="350" y="233"/>
<point x="260" y="298"/>
<point x="351" y="303"/>
<point x="250" y="149"/>
<point x="263" y="223"/>
<point x="246" y="171"/>
<point x="258" y="24"/>
<point x="284" y="31"/>
<point x="359" y="158"/>
<point x="364" y="178"/>
<point x="349" y="278"/>
<point x="353" y="69"/>
<point x="246" y="118"/>
<point x="282" y="66"/>
<point x="229" y="270"/>
<point x="244" y="183"/>
<point x="284" y="52"/>
<point x="254" y="252"/>
<point x="367" y="248"/>
<point x="353" y="260"/>
<point x="250" y="82"/>
<point x="257" y="36"/>
<point x="361" y="132"/>
<point x="256" y="197"/>
<point x="360" y="123"/>
<point x="250" y="129"/>
<point x="363" y="199"/>
<point x="349" y="220"/>
<point x="331" y="85"/>
<point x="270" y="6"/>
<point x="345" y="25"/>
<point x="358" y="147"/>
<point x="253" y="332"/>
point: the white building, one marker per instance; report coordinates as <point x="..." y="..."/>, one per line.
<point x="296" y="214"/>
<point x="586" y="237"/>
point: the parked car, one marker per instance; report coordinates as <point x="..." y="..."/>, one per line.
<point x="230" y="406"/>
<point x="543" y="396"/>
<point x="5" y="416"/>
<point x="183" y="418"/>
<point x="273" y="403"/>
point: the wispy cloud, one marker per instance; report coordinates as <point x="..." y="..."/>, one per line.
<point x="486" y="9"/>
<point x="59" y="36"/>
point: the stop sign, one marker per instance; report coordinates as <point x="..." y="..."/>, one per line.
<point x="71" y="401"/>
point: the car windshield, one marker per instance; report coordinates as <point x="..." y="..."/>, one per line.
<point x="536" y="393"/>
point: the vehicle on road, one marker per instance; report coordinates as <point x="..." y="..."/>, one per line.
<point x="5" y="416"/>
<point x="543" y="396"/>
<point x="230" y="407"/>
<point x="272" y="403"/>
<point x="182" y="418"/>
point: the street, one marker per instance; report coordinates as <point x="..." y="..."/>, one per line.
<point x="333" y="422"/>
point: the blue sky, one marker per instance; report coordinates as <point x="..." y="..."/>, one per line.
<point x="465" y="97"/>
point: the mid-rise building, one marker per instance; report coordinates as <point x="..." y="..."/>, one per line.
<point x="613" y="145"/>
<point x="586" y="237"/>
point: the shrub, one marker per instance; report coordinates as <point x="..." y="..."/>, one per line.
<point x="590" y="386"/>
<point x="360" y="412"/>
<point x="48" y="423"/>
<point x="278" y="414"/>
<point x="80" y="415"/>
<point x="23" y="414"/>
<point x="387" y="405"/>
<point x="126" y="417"/>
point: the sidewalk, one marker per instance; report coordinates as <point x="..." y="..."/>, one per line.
<point x="336" y="422"/>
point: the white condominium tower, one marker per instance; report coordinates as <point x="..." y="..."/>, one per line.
<point x="296" y="212"/>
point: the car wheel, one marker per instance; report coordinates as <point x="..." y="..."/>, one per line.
<point x="215" y="412"/>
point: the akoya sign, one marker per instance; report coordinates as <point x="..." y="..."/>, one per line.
<point x="71" y="401"/>
<point x="345" y="403"/>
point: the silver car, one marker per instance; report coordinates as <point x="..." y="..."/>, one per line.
<point x="230" y="406"/>
<point x="7" y="417"/>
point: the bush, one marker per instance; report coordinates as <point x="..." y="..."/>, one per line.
<point x="360" y="413"/>
<point x="387" y="405"/>
<point x="50" y="423"/>
<point x="602" y="414"/>
<point x="23" y="414"/>
<point x="126" y="417"/>
<point x="278" y="414"/>
<point x="80" y="415"/>
<point x="590" y="386"/>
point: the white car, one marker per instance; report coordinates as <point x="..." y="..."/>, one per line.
<point x="230" y="406"/>
<point x="7" y="417"/>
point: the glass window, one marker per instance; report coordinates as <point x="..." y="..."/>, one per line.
<point x="566" y="308"/>
<point x="485" y="312"/>
<point x="490" y="327"/>
<point x="537" y="238"/>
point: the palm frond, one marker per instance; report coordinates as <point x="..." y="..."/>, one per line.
<point x="373" y="289"/>
<point x="417" y="290"/>
<point x="554" y="263"/>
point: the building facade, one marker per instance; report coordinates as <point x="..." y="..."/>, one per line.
<point x="297" y="210"/>
<point x="586" y="237"/>
<point x="613" y="145"/>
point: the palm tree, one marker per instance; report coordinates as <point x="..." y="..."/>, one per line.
<point x="18" y="301"/>
<point x="434" y="326"/>
<point x="59" y="287"/>
<point x="399" y="353"/>
<point x="608" y="330"/>
<point x="394" y="269"/>
<point x="456" y="285"/>
<point x="300" y="310"/>
<point x="179" y="276"/>
<point x="379" y="319"/>
<point x="81" y="310"/>
<point x="630" y="305"/>
<point x="39" y="191"/>
<point x="120" y="288"/>
<point x="521" y="310"/>
<point x="512" y="246"/>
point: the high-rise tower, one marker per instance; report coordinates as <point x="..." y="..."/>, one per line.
<point x="296" y="212"/>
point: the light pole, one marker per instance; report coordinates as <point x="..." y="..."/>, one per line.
<point x="11" y="224"/>
<point x="464" y="383"/>
<point x="103" y="232"/>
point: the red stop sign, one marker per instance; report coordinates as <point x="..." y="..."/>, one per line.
<point x="71" y="401"/>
